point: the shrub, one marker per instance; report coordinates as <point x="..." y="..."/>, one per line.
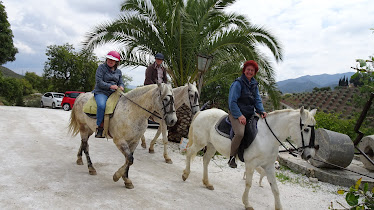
<point x="332" y="121"/>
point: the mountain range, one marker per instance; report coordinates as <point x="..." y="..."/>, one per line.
<point x="308" y="82"/>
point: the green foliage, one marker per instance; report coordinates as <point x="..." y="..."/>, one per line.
<point x="7" y="49"/>
<point x="358" y="197"/>
<point x="332" y="121"/>
<point x="69" y="70"/>
<point x="38" y="84"/>
<point x="183" y="29"/>
<point x="316" y="89"/>
<point x="12" y="90"/>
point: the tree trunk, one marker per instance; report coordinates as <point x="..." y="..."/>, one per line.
<point x="180" y="129"/>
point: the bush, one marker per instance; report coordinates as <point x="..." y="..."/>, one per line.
<point x="332" y="121"/>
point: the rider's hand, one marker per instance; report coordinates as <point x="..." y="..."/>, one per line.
<point x="121" y="88"/>
<point x="114" y="87"/>
<point x="242" y="120"/>
<point x="264" y="114"/>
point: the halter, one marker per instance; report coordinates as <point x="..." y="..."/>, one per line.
<point x="311" y="141"/>
<point x="195" y="103"/>
<point x="170" y="104"/>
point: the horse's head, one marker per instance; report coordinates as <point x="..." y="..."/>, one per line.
<point x="193" y="96"/>
<point x="307" y="123"/>
<point x="167" y="103"/>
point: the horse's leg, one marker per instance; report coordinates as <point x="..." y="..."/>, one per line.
<point x="270" y="173"/>
<point x="152" y="144"/>
<point x="165" y="141"/>
<point x="262" y="173"/>
<point x="85" y="134"/>
<point x="191" y="151"/>
<point x="124" y="170"/>
<point x="144" y="145"/>
<point x="248" y="184"/>
<point x="209" y="153"/>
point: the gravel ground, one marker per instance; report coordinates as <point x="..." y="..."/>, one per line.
<point x="38" y="171"/>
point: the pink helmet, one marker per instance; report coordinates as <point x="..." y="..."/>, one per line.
<point x="113" y="55"/>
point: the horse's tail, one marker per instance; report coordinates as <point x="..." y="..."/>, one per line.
<point x="73" y="125"/>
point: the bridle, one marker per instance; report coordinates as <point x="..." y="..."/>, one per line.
<point x="311" y="140"/>
<point x="195" y="102"/>
<point x="169" y="104"/>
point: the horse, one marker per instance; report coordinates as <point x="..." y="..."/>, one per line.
<point x="295" y="124"/>
<point x="187" y="94"/>
<point x="127" y="125"/>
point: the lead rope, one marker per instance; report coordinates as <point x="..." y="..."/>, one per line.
<point x="123" y="94"/>
<point x="280" y="141"/>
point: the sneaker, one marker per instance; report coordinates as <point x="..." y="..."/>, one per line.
<point x="231" y="162"/>
<point x="99" y="132"/>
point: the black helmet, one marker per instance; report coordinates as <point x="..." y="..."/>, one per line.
<point x="159" y="56"/>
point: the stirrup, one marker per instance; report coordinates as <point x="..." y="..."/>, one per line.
<point x="99" y="132"/>
<point x="231" y="162"/>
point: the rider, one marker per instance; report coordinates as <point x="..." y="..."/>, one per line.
<point x="244" y="99"/>
<point x="108" y="79"/>
<point x="156" y="73"/>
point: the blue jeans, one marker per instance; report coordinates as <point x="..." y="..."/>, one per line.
<point x="101" y="102"/>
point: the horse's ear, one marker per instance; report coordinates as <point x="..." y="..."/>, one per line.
<point x="194" y="83"/>
<point x="313" y="112"/>
<point x="301" y="109"/>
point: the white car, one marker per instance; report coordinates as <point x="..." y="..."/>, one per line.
<point x="51" y="99"/>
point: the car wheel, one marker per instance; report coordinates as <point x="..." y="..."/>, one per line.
<point x="41" y="104"/>
<point x="53" y="105"/>
<point x="66" y="107"/>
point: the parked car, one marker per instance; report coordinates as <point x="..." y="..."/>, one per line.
<point x="51" y="99"/>
<point x="69" y="99"/>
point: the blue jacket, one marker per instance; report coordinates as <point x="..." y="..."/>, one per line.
<point x="244" y="97"/>
<point x="105" y="78"/>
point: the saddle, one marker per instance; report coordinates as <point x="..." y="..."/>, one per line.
<point x="224" y="128"/>
<point x="90" y="109"/>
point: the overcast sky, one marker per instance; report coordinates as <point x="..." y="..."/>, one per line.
<point x="318" y="36"/>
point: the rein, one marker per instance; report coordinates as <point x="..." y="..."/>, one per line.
<point x="280" y="141"/>
<point x="123" y="94"/>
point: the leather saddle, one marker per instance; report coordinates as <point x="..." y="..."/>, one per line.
<point x="224" y="128"/>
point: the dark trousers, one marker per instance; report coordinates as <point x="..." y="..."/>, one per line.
<point x="238" y="134"/>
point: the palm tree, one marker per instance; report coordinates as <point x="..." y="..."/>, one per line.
<point x="181" y="30"/>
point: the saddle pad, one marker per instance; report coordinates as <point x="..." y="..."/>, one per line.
<point x="90" y="106"/>
<point x="222" y="127"/>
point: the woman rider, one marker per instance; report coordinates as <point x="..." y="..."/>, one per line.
<point x="244" y="99"/>
<point x="108" y="79"/>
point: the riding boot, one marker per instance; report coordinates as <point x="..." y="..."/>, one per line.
<point x="231" y="162"/>
<point x="99" y="132"/>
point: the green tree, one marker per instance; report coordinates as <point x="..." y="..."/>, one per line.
<point x="36" y="81"/>
<point x="183" y="29"/>
<point x="69" y="70"/>
<point x="7" y="49"/>
<point x="12" y="90"/>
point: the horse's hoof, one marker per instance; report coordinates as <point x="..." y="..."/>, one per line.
<point x="92" y="171"/>
<point x="116" y="177"/>
<point x="129" y="185"/>
<point x="249" y="208"/>
<point x="169" y="161"/>
<point x="79" y="162"/>
<point x="184" y="177"/>
<point x="210" y="187"/>
<point x="151" y="151"/>
<point x="144" y="146"/>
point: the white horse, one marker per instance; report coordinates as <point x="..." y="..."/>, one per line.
<point x="128" y="124"/>
<point x="297" y="124"/>
<point x="187" y="94"/>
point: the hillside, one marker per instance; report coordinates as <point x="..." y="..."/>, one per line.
<point x="338" y="101"/>
<point x="307" y="83"/>
<point x="9" y="73"/>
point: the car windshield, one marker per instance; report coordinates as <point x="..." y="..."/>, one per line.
<point x="73" y="95"/>
<point x="58" y="95"/>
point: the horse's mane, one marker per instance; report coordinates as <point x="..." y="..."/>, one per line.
<point x="140" y="91"/>
<point x="310" y="117"/>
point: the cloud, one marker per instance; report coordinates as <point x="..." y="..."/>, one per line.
<point x="317" y="36"/>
